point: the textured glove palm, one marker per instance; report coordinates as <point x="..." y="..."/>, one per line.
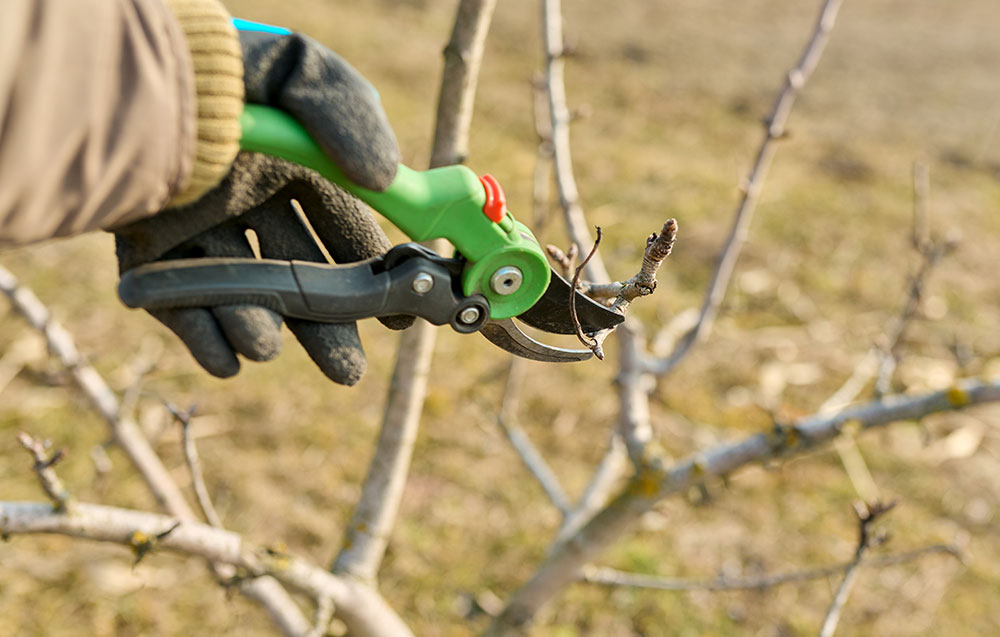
<point x="341" y="111"/>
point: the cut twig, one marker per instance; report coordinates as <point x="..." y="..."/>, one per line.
<point x="867" y="515"/>
<point x="658" y="248"/>
<point x="194" y="463"/>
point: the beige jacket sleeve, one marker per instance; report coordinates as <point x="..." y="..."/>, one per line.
<point x="111" y="110"/>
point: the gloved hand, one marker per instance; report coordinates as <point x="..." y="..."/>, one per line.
<point x="340" y="109"/>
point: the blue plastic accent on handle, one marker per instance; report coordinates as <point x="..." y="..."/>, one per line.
<point x="259" y="27"/>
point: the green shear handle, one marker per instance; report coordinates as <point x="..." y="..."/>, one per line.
<point x="504" y="261"/>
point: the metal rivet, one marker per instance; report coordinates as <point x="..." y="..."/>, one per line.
<point x="422" y="283"/>
<point x="506" y="280"/>
<point x="469" y="315"/>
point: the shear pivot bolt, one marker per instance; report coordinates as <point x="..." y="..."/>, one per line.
<point x="469" y="315"/>
<point x="506" y="280"/>
<point x="422" y="283"/>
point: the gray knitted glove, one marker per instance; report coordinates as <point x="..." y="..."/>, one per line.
<point x="341" y="111"/>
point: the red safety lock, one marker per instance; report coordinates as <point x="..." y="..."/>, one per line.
<point x="496" y="201"/>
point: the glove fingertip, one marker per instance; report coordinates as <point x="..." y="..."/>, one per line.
<point x="397" y="321"/>
<point x="198" y="330"/>
<point x="253" y="331"/>
<point x="334" y="347"/>
<point x="379" y="171"/>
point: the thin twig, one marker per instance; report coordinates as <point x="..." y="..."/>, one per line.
<point x="566" y="261"/>
<point x="324" y="614"/>
<point x="867" y="515"/>
<point x="194" y="463"/>
<point x="774" y="130"/>
<point x="53" y="486"/>
<point x="614" y="577"/>
<point x="526" y="450"/>
<point x="368" y="531"/>
<point x="589" y="341"/>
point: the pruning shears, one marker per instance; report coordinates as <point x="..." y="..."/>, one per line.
<point x="498" y="273"/>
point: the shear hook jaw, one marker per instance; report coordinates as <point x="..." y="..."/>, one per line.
<point x="508" y="337"/>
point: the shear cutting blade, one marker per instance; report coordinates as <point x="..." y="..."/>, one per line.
<point x="551" y="312"/>
<point x="505" y="335"/>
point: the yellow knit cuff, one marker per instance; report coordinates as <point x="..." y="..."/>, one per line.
<point x="218" y="71"/>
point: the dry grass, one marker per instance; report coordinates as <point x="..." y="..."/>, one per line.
<point x="676" y="91"/>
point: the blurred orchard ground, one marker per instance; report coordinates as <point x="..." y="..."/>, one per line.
<point x="675" y="92"/>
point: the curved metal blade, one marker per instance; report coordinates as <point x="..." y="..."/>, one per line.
<point x="551" y="312"/>
<point x="505" y="335"/>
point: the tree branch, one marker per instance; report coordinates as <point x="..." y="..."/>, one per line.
<point x="463" y="57"/>
<point x="363" y="609"/>
<point x="774" y="130"/>
<point x="280" y="606"/>
<point x="125" y="431"/>
<point x="529" y="454"/>
<point x="652" y="485"/>
<point x="368" y="531"/>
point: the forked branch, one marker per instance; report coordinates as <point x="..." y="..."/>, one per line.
<point x="653" y="485"/>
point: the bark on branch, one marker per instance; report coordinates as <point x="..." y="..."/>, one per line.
<point x="359" y="605"/>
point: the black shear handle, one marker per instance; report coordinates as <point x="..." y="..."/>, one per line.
<point x="302" y="289"/>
